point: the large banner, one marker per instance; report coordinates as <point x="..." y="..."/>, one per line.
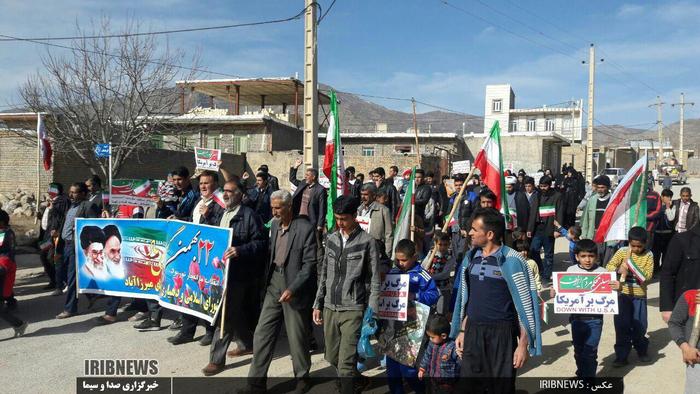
<point x="177" y="263"/>
<point x="585" y="293"/>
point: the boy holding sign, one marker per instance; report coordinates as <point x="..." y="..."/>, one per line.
<point x="585" y="328"/>
<point x="421" y="288"/>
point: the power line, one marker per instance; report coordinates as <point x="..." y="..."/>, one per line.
<point x="326" y="13"/>
<point x="188" y="30"/>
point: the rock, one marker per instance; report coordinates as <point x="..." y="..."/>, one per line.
<point x="18" y="211"/>
<point x="32" y="233"/>
<point x="11" y="206"/>
<point x="29" y="212"/>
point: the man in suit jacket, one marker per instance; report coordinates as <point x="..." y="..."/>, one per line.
<point x="291" y="287"/>
<point x="245" y="258"/>
<point x="258" y="198"/>
<point x="684" y="213"/>
<point x="309" y="198"/>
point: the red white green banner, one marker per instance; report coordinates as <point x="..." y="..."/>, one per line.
<point x="333" y="166"/>
<point x="489" y="161"/>
<point x="627" y="207"/>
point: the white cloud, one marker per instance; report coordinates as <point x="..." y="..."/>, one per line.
<point x="630" y="10"/>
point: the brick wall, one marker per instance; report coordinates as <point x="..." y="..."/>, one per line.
<point x="18" y="164"/>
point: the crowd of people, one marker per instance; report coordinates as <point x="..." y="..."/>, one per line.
<point x="485" y="281"/>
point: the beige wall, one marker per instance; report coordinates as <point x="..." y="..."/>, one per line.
<point x="18" y="165"/>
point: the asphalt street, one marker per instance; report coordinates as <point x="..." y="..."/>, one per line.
<point x="51" y="355"/>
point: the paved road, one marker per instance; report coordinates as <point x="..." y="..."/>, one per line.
<point x="50" y="356"/>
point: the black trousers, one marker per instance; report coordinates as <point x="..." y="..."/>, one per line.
<point x="658" y="248"/>
<point x="189" y="326"/>
<point x="5" y="314"/>
<point x="487" y="358"/>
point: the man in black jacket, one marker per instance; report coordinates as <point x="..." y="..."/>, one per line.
<point x="244" y="257"/>
<point x="258" y="197"/>
<point x="80" y="208"/>
<point x="684" y="213"/>
<point x="518" y="207"/>
<point x="51" y="223"/>
<point x="680" y="270"/>
<point x="544" y="209"/>
<point x="291" y="287"/>
<point x="309" y="198"/>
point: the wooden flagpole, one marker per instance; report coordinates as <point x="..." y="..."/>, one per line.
<point x="445" y="226"/>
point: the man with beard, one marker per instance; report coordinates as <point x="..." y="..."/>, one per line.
<point x="80" y="208"/>
<point x="592" y="215"/>
<point x="544" y="209"/>
<point x="290" y="290"/>
<point x="206" y="211"/>
<point x="518" y="207"/>
<point x="245" y="259"/>
<point x="381" y="228"/>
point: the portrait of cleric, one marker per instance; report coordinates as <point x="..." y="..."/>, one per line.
<point x="102" y="250"/>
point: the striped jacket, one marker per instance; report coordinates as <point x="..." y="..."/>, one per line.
<point x="521" y="285"/>
<point x="440" y="361"/>
<point x="349" y="275"/>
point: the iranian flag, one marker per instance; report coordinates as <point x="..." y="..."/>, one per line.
<point x="44" y="144"/>
<point x="489" y="161"/>
<point x="627" y="207"/>
<point x="333" y="166"/>
<point x="403" y="219"/>
<point x="218" y="197"/>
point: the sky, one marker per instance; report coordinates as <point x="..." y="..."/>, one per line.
<point x="442" y="54"/>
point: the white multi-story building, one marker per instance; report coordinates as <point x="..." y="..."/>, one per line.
<point x="562" y="119"/>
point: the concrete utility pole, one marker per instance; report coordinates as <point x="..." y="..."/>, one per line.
<point x="310" y="87"/>
<point x="660" y="126"/>
<point x="415" y="130"/>
<point x="682" y="105"/>
<point x="591" y="94"/>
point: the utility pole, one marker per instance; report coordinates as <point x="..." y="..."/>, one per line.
<point x="310" y="86"/>
<point x="660" y="126"/>
<point x="682" y="105"/>
<point x="415" y="130"/>
<point x="591" y="94"/>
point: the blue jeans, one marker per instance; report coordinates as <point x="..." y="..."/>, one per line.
<point x="69" y="265"/>
<point x="586" y="337"/>
<point x="631" y="327"/>
<point x="396" y="372"/>
<point x="113" y="306"/>
<point x="546" y="242"/>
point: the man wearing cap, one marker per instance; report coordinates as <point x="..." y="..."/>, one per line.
<point x="348" y="283"/>
<point x="593" y="214"/>
<point x="51" y="222"/>
<point x="518" y="207"/>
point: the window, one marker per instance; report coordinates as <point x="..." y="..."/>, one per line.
<point x="240" y="144"/>
<point x="367" y="151"/>
<point x="549" y="125"/>
<point x="531" y="124"/>
<point x="214" y="143"/>
<point x="496" y="105"/>
<point x="403" y="148"/>
<point x="342" y="150"/>
<point x="513" y="125"/>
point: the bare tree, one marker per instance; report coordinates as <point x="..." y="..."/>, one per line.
<point x="107" y="90"/>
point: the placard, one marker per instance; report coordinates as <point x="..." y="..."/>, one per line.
<point x="393" y="297"/>
<point x="461" y="167"/>
<point x="585" y="293"/>
<point x="207" y="159"/>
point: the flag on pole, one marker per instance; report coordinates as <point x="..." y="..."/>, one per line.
<point x="489" y="161"/>
<point x="333" y="166"/>
<point x="627" y="207"/>
<point x="403" y="219"/>
<point x="44" y="144"/>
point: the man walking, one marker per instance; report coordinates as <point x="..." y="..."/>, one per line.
<point x="685" y="212"/>
<point x="80" y="208"/>
<point x="349" y="282"/>
<point x="309" y="199"/>
<point x="52" y="222"/>
<point x="291" y="287"/>
<point x="544" y="209"/>
<point x="518" y="207"/>
<point x="244" y="258"/>
<point x="258" y="198"/>
<point x="381" y="227"/>
<point x="593" y="214"/>
<point x="496" y="319"/>
<point x="387" y="185"/>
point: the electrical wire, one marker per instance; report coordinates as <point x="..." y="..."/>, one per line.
<point x="326" y="13"/>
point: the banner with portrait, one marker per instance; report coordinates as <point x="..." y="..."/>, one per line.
<point x="180" y="264"/>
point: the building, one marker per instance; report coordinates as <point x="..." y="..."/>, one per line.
<point x="532" y="138"/>
<point x="368" y="150"/>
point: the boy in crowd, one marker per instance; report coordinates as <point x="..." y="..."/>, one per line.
<point x="585" y="328"/>
<point x="680" y="325"/>
<point x="572" y="234"/>
<point x="8" y="267"/>
<point x="441" y="268"/>
<point x="522" y="246"/>
<point x="635" y="264"/>
<point x="421" y="288"/>
<point x="440" y="361"/>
